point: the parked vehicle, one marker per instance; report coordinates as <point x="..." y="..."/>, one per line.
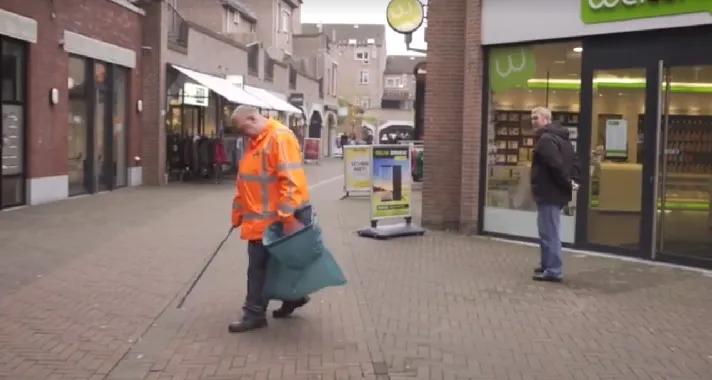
<point x="394" y="131"/>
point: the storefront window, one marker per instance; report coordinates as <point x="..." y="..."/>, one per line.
<point x="78" y="126"/>
<point x="100" y="82"/>
<point x="211" y="112"/>
<point x="120" y="148"/>
<point x="522" y="78"/>
<point x="12" y="139"/>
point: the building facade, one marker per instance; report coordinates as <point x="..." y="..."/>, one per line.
<point x="318" y="53"/>
<point x="211" y="46"/>
<point x="361" y="55"/>
<point x="398" y="99"/>
<point x="629" y="82"/>
<point x="93" y="90"/>
<point x="71" y="89"/>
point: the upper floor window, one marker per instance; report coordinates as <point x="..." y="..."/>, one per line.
<point x="232" y="21"/>
<point x="334" y="89"/>
<point x="362" y="55"/>
<point x="394" y="82"/>
<point x="286" y="22"/>
<point x="364" y="77"/>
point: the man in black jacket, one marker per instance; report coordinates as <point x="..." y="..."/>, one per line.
<point x="555" y="174"/>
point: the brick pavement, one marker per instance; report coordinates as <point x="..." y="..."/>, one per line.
<point x="441" y="307"/>
<point x="438" y="307"/>
<point x="82" y="280"/>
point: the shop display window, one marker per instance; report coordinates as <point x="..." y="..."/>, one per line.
<point x="522" y="78"/>
<point x="78" y="126"/>
<point x="12" y="136"/>
<point x="120" y="137"/>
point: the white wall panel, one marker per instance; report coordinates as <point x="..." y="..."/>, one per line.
<point x="510" y="21"/>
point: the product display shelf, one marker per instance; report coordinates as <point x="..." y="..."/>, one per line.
<point x="689" y="144"/>
<point x="514" y="136"/>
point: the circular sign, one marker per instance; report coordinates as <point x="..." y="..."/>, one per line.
<point x="405" y="16"/>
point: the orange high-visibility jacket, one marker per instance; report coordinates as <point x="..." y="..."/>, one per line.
<point x="271" y="183"/>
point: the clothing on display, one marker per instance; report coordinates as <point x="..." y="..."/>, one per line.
<point x="197" y="156"/>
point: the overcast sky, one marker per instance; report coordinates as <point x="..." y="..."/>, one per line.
<point x="357" y="12"/>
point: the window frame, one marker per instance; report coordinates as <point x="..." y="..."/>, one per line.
<point x="364" y="79"/>
<point x="365" y="55"/>
<point x="232" y="21"/>
<point x="489" y="155"/>
<point x="397" y="82"/>
<point x="285" y="21"/>
<point x="364" y="100"/>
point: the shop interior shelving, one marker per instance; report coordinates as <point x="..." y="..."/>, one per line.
<point x="514" y="136"/>
<point x="689" y="144"/>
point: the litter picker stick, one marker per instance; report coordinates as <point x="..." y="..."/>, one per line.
<point x="205" y="268"/>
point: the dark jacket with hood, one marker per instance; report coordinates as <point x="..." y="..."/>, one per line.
<point x="554" y="166"/>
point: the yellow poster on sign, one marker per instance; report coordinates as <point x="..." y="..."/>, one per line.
<point x="357" y="171"/>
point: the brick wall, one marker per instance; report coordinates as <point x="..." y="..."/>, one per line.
<point x="453" y="106"/>
<point x="153" y="148"/>
<point x="48" y="68"/>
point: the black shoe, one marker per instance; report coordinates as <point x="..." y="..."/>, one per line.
<point x="538" y="270"/>
<point x="547" y="278"/>
<point x="288" y="307"/>
<point x="246" y="325"/>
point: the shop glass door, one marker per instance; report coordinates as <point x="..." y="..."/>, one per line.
<point x="101" y="112"/>
<point x="12" y="123"/>
<point x="683" y="228"/>
<point x="616" y="189"/>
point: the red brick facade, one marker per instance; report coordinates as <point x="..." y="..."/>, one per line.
<point x="47" y="126"/>
<point x="453" y="115"/>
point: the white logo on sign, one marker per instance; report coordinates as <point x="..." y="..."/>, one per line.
<point x="512" y="67"/>
<point x="598" y="4"/>
<point x="401" y="11"/>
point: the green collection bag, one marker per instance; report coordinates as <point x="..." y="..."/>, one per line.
<point x="301" y="264"/>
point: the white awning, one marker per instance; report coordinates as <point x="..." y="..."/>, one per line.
<point x="275" y="102"/>
<point x="224" y="88"/>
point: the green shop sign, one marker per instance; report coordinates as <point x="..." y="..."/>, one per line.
<point x="511" y="67"/>
<point x="599" y="11"/>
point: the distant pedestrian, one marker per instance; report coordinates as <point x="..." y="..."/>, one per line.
<point x="555" y="173"/>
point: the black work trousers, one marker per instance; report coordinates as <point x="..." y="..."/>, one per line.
<point x="255" y="305"/>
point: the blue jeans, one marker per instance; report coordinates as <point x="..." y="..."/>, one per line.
<point x="548" y="222"/>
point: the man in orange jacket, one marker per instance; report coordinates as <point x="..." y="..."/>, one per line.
<point x="271" y="186"/>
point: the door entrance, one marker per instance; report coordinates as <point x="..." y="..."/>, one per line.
<point x="615" y="206"/>
<point x="647" y="102"/>
<point x="683" y="218"/>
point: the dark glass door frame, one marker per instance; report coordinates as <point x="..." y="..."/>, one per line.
<point x="652" y="51"/>
<point x="599" y="60"/>
<point x="663" y="65"/>
<point x="90" y="99"/>
<point x="23" y="103"/>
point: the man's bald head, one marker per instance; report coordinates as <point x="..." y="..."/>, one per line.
<point x="248" y="120"/>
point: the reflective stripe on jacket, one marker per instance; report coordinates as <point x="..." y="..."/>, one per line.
<point x="271" y="183"/>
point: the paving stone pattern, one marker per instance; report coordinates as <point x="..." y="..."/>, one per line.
<point x="81" y="280"/>
<point x="442" y="306"/>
